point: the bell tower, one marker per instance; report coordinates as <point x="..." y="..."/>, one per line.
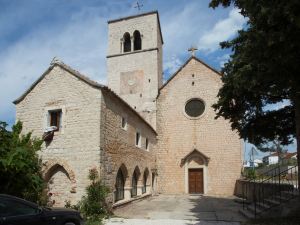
<point x="134" y="61"/>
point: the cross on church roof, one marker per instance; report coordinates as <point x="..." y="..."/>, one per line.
<point x="138" y="6"/>
<point x="192" y="50"/>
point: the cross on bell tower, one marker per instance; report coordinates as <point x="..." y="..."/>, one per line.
<point x="138" y="6"/>
<point x="192" y="50"/>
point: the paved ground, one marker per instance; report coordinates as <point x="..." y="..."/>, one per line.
<point x="165" y="222"/>
<point x="179" y="210"/>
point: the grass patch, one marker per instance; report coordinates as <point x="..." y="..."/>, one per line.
<point x="93" y="222"/>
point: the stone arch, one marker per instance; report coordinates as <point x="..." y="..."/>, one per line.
<point x="146" y="180"/>
<point x="124" y="171"/>
<point x="137" y="40"/>
<point x="195" y="160"/>
<point x="120" y="182"/>
<point x="126" y="42"/>
<point x="138" y="173"/>
<point x="52" y="165"/>
<point x="135" y="181"/>
<point x="197" y="156"/>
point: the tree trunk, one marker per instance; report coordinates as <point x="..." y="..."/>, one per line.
<point x="297" y="118"/>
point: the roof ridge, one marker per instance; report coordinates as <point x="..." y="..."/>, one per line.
<point x="187" y="61"/>
<point x="133" y="16"/>
<point x="139" y="15"/>
<point x="56" y="62"/>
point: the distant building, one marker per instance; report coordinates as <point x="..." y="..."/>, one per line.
<point x="255" y="163"/>
<point x="289" y="156"/>
<point x="274" y="157"/>
<point x="271" y="159"/>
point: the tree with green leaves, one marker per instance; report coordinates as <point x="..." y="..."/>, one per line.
<point x="20" y="167"/>
<point x="93" y="207"/>
<point x="275" y="147"/>
<point x="261" y="92"/>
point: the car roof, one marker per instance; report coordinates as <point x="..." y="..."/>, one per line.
<point x="18" y="199"/>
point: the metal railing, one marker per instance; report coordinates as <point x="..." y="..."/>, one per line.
<point x="265" y="191"/>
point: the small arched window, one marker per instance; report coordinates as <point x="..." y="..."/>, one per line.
<point x="137" y="40"/>
<point x="127" y="42"/>
<point x="120" y="183"/>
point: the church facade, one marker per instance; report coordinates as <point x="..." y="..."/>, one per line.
<point x="143" y="136"/>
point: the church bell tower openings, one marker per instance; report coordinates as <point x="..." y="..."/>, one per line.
<point x="134" y="61"/>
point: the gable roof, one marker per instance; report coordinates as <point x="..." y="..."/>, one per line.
<point x="286" y="155"/>
<point x="187" y="62"/>
<point x="290" y="155"/>
<point x="85" y="79"/>
<point x="65" y="67"/>
<point x="139" y="15"/>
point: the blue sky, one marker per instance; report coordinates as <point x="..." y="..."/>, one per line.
<point x="32" y="32"/>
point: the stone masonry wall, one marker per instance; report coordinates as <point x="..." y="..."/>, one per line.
<point x="144" y="100"/>
<point x="178" y="134"/>
<point x="147" y="25"/>
<point x="147" y="62"/>
<point x="118" y="145"/>
<point x="76" y="146"/>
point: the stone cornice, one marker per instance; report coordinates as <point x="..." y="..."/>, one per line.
<point x="133" y="52"/>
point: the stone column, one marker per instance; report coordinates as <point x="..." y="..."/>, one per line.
<point x="139" y="190"/>
<point x="127" y="193"/>
<point x="132" y="43"/>
<point x="148" y="189"/>
<point x="122" y="45"/>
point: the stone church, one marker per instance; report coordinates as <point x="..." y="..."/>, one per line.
<point x="144" y="136"/>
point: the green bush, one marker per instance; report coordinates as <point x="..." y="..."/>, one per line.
<point x="93" y="207"/>
<point x="20" y="166"/>
<point x="250" y="173"/>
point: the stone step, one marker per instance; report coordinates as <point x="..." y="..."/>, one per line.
<point x="292" y="194"/>
<point x="246" y="213"/>
<point x="281" y="198"/>
<point x="249" y="211"/>
<point x="272" y="202"/>
<point x="259" y="209"/>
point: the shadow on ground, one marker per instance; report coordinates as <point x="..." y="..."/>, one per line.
<point x="183" y="207"/>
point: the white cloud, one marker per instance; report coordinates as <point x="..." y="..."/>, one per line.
<point x="81" y="43"/>
<point x="277" y="106"/>
<point x="223" y="59"/>
<point x="196" y="25"/>
<point x="222" y="31"/>
<point x="181" y="28"/>
<point x="173" y="64"/>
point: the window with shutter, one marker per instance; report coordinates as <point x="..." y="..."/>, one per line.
<point x="55" y="118"/>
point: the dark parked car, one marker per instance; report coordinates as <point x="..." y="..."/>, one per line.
<point x="17" y="211"/>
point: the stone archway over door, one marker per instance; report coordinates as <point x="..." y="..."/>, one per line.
<point x="195" y="172"/>
<point x="59" y="185"/>
<point x="61" y="182"/>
